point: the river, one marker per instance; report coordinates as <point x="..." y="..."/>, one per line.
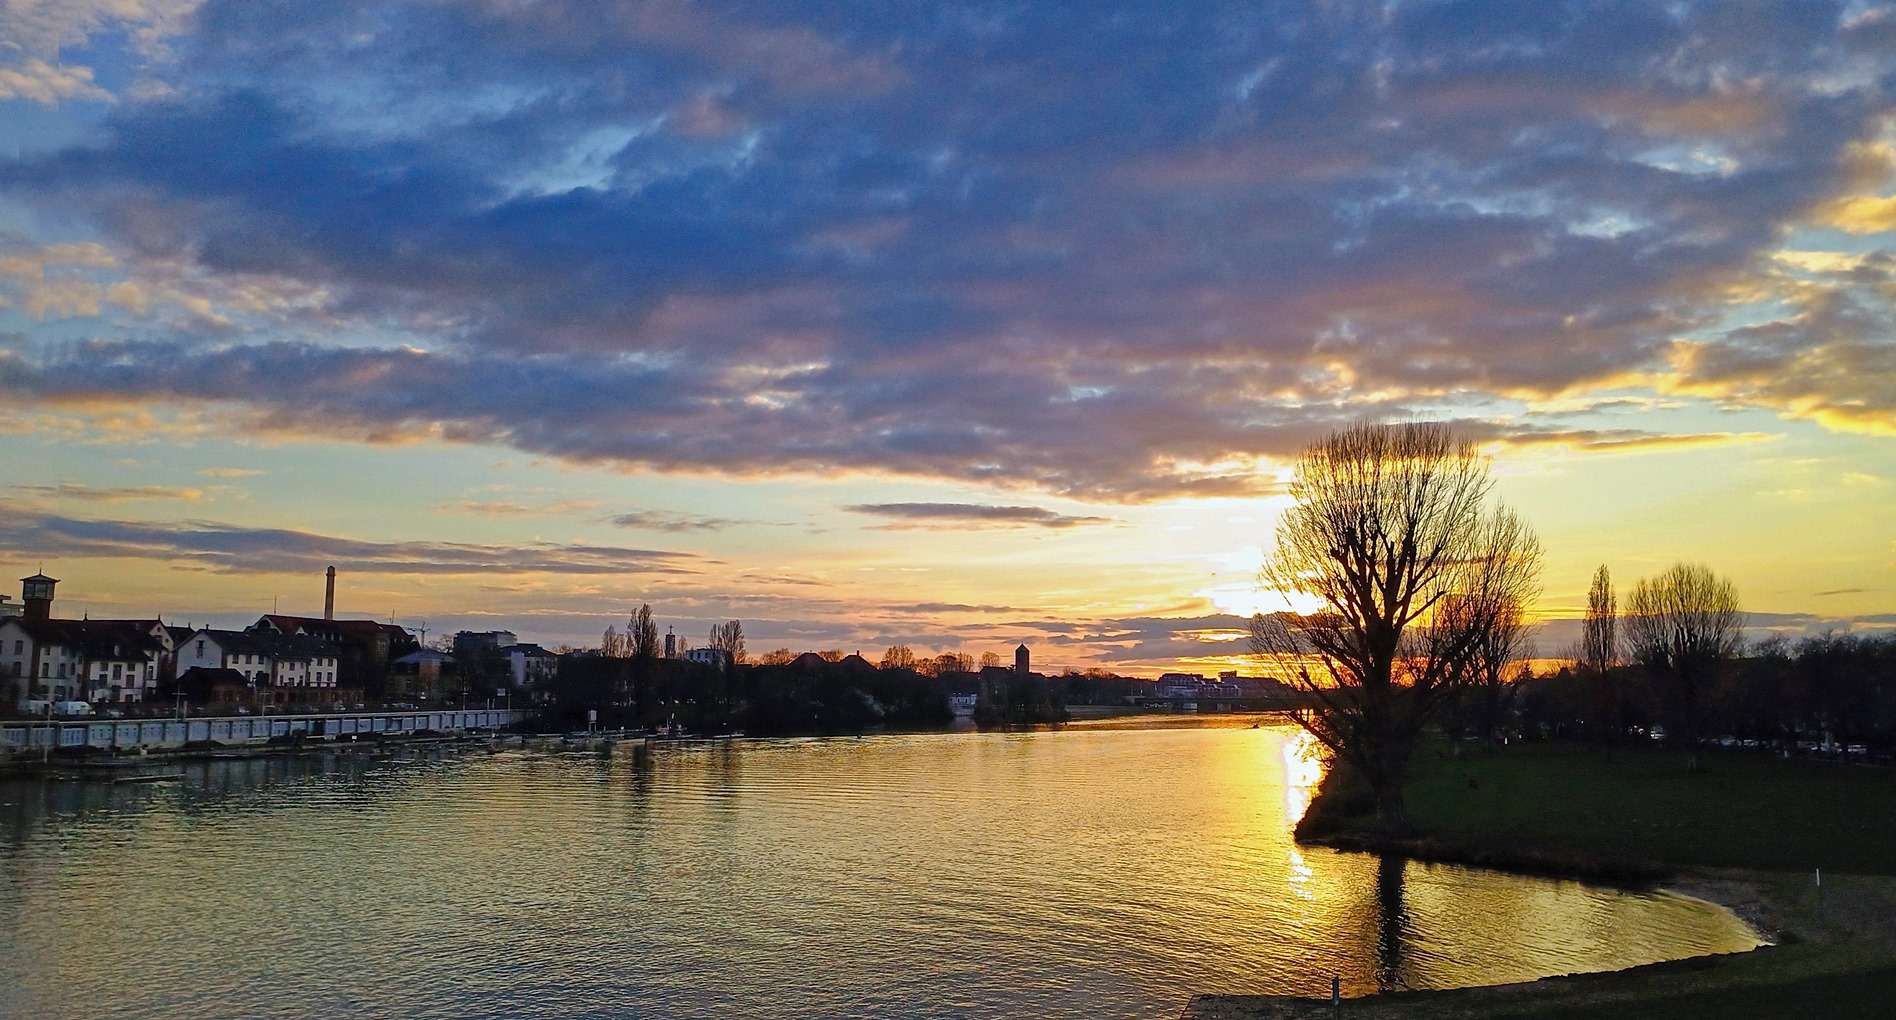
<point x="1109" y="870"/>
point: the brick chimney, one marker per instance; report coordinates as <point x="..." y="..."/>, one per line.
<point x="329" y="597"/>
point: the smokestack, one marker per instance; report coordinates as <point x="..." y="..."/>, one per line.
<point x="329" y="597"/>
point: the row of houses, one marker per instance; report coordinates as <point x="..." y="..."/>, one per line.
<point x="279" y="659"/>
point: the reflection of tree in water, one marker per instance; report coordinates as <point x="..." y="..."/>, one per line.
<point x="1392" y="923"/>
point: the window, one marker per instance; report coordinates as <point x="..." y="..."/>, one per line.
<point x="19" y="648"/>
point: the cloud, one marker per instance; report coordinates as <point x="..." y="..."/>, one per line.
<point x="661" y="520"/>
<point x="35" y="33"/>
<point x="788" y="238"/>
<point x="47" y="85"/>
<point x="1620" y="440"/>
<point x="228" y="472"/>
<point x="505" y="509"/>
<point x="234" y="549"/>
<point x="119" y="494"/>
<point x="963" y="515"/>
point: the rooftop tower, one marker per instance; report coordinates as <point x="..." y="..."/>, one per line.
<point x="37" y="593"/>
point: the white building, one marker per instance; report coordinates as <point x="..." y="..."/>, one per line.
<point x="533" y="666"/>
<point x="274" y="664"/>
<point x="81" y="660"/>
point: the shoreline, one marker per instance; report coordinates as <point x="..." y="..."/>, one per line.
<point x="1833" y="943"/>
<point x="1854" y="927"/>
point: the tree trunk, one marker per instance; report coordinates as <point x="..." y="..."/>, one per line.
<point x="1392" y="816"/>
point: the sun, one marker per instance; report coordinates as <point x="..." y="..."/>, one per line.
<point x="1246" y="599"/>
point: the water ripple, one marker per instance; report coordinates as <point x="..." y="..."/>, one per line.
<point x="1097" y="873"/>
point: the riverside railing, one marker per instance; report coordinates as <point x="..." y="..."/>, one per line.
<point x="240" y="731"/>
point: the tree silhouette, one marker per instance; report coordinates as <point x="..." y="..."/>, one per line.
<point x="1599" y="651"/>
<point x="728" y="637"/>
<point x="1682" y="626"/>
<point x="643" y="634"/>
<point x="1393" y="534"/>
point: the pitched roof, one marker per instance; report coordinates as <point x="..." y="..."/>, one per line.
<point x="94" y="639"/>
<point x="332" y="629"/>
<point x="270" y="645"/>
<point x="46" y="632"/>
<point x="214" y="674"/>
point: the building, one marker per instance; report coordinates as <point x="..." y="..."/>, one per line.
<point x="78" y="660"/>
<point x="280" y="668"/>
<point x="472" y="644"/>
<point x="37" y="594"/>
<point x="722" y="659"/>
<point x="203" y="686"/>
<point x="41" y="659"/>
<point x="533" y="667"/>
<point x="418" y="673"/>
<point x="365" y="647"/>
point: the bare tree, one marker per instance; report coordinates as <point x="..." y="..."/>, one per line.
<point x="1393" y="533"/>
<point x="947" y="663"/>
<point x="1492" y="617"/>
<point x="990" y="659"/>
<point x="1599" y="651"/>
<point x="831" y="655"/>
<point x="779" y="657"/>
<point x="898" y="657"/>
<point x="1682" y="626"/>
<point x="643" y="634"/>
<point x="613" y="644"/>
<point x="728" y="637"/>
<point x="1600" y="644"/>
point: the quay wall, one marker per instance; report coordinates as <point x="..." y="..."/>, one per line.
<point x="241" y="730"/>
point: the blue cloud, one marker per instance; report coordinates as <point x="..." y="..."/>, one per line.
<point x="903" y="238"/>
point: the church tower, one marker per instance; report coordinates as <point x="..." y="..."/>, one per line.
<point x="1020" y="661"/>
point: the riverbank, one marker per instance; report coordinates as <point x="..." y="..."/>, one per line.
<point x="1747" y="832"/>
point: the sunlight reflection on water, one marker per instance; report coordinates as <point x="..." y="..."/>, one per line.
<point x="1097" y="871"/>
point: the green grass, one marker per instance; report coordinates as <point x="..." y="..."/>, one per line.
<point x="1642" y="804"/>
<point x="1638" y="812"/>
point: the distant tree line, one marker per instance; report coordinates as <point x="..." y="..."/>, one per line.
<point x="630" y="684"/>
<point x="1677" y="666"/>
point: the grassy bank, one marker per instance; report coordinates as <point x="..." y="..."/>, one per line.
<point x="1640" y="809"/>
<point x="1746" y="830"/>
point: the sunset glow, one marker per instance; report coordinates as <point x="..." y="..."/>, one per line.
<point x="883" y="324"/>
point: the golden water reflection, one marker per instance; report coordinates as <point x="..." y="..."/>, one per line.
<point x="1094" y="872"/>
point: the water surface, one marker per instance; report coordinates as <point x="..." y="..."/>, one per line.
<point x="1090" y="872"/>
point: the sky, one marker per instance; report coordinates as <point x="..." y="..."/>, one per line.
<point x="947" y="325"/>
